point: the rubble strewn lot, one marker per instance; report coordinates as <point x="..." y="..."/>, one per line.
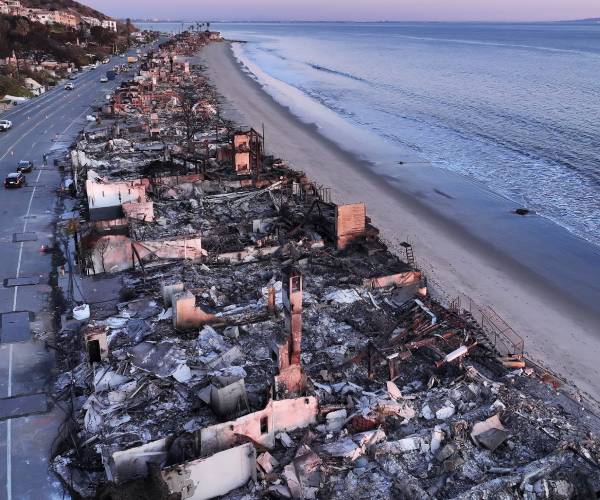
<point x="266" y="343"/>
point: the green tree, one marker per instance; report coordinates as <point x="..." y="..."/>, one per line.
<point x="22" y="27"/>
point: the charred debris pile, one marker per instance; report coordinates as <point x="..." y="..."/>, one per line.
<point x="266" y="343"/>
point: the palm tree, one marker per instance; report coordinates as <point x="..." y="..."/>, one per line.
<point x="128" y="25"/>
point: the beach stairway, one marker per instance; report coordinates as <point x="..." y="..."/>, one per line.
<point x="410" y="256"/>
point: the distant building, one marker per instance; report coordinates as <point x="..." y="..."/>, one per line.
<point x="34" y="87"/>
<point x="91" y="21"/>
<point x="15" y="100"/>
<point x="65" y="18"/>
<point x="109" y="24"/>
<point x="16" y="9"/>
<point x="41" y="16"/>
<point x="49" y="65"/>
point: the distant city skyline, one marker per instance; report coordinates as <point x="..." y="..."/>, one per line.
<point x="351" y="10"/>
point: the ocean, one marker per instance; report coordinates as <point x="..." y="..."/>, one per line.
<point x="513" y="106"/>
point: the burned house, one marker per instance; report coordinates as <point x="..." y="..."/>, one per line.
<point x="264" y="341"/>
<point x="247" y="152"/>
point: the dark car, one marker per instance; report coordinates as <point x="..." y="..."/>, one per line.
<point x="25" y="166"/>
<point x="15" y="180"/>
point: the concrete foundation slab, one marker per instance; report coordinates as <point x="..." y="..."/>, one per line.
<point x="15" y="327"/>
<point x="29" y="236"/>
<point x="22" y="281"/>
<point x="20" y="406"/>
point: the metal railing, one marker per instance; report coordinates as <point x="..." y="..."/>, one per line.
<point x="500" y="334"/>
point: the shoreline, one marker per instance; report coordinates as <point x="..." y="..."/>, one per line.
<point x="557" y="322"/>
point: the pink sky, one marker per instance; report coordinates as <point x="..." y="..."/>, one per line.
<point x="359" y="10"/>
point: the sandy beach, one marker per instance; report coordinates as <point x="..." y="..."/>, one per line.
<point x="542" y="280"/>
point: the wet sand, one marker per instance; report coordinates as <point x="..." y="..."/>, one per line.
<point x="541" y="279"/>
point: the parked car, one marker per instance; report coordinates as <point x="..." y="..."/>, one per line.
<point x="15" y="180"/>
<point x="5" y="125"/>
<point x="25" y="166"/>
<point x="69" y="86"/>
<point x="103" y="79"/>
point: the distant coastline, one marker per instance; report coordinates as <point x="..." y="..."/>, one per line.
<point x="594" y="20"/>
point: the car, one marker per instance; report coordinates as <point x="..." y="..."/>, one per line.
<point x="72" y="77"/>
<point x="106" y="60"/>
<point x="69" y="86"/>
<point x="103" y="79"/>
<point x="5" y="125"/>
<point x="15" y="180"/>
<point x="25" y="166"/>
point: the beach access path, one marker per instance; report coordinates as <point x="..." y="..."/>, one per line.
<point x="545" y="292"/>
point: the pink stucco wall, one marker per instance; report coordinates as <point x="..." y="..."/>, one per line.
<point x="282" y="415"/>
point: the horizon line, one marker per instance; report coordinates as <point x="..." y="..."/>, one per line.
<point x="589" y="19"/>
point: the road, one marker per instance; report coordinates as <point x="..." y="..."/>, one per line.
<point x="46" y="124"/>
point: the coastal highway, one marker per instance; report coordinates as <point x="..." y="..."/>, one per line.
<point x="47" y="124"/>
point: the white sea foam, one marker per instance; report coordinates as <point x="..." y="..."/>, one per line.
<point x="517" y="116"/>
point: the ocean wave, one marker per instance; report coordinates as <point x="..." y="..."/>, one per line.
<point x="539" y="152"/>
<point x="499" y="44"/>
<point x="324" y="69"/>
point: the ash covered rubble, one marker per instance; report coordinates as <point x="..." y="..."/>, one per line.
<point x="267" y="344"/>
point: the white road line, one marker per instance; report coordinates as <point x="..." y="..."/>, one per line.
<point x="44" y="98"/>
<point x="9" y="456"/>
<point x="10" y="347"/>
<point x="8" y="150"/>
<point x="9" y="430"/>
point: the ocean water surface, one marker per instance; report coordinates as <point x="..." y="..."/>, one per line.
<point x="514" y="106"/>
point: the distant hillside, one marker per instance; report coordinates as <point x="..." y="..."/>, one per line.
<point x="70" y="5"/>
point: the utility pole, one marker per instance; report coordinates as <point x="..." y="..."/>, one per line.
<point x="217" y="125"/>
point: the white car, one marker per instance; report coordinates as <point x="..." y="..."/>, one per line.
<point x="103" y="79"/>
<point x="69" y="86"/>
<point x="5" y="125"/>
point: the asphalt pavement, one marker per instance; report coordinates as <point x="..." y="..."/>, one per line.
<point x="47" y="124"/>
